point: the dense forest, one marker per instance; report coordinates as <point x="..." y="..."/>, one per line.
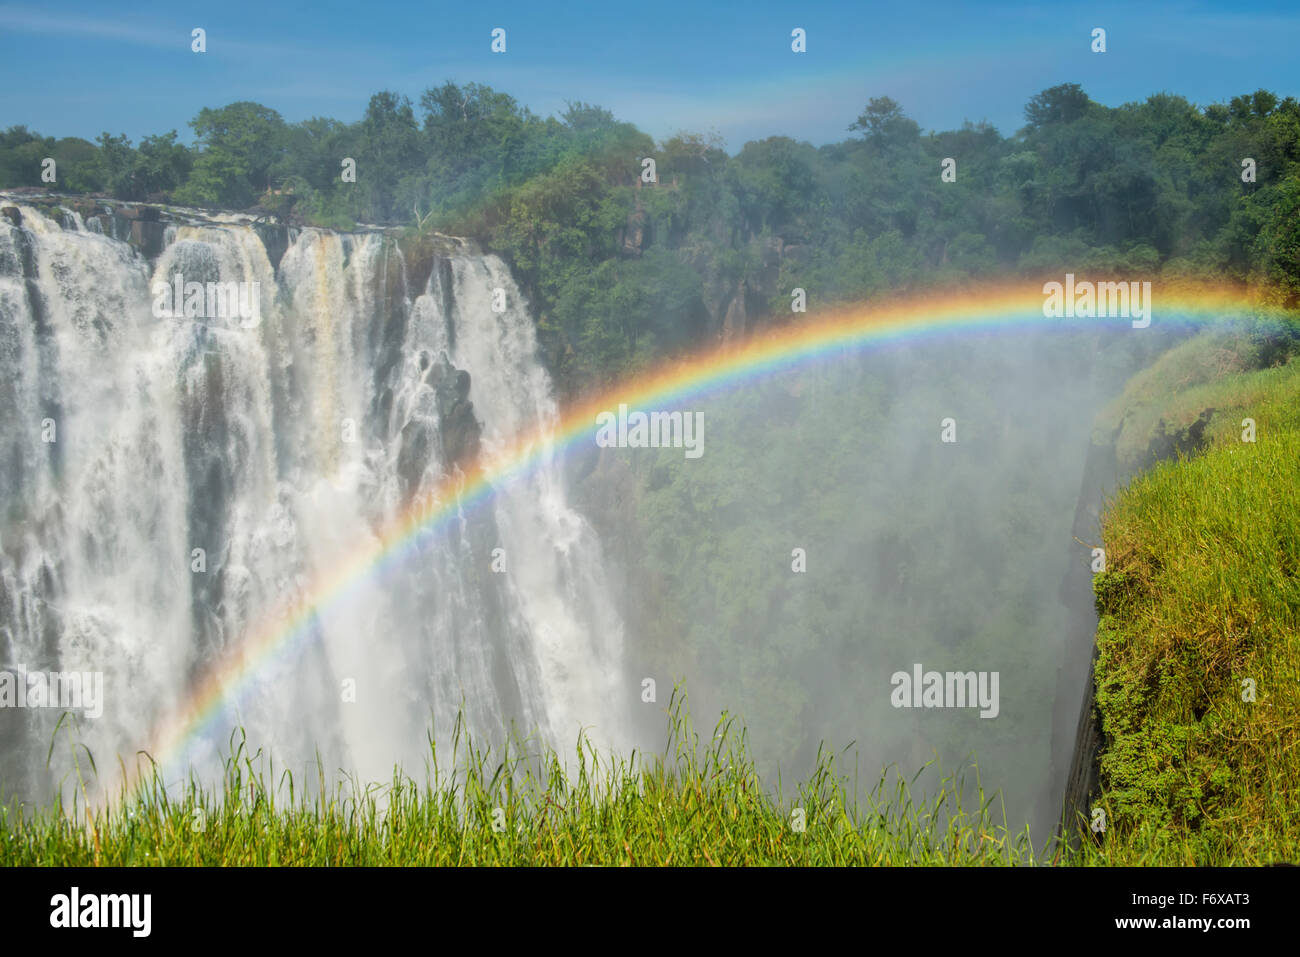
<point x="625" y="262"/>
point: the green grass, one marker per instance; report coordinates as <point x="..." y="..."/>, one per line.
<point x="1208" y="371"/>
<point x="694" y="805"/>
<point x="1201" y="598"/>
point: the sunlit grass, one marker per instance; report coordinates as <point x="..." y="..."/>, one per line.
<point x="695" y="804"/>
<point x="522" y="805"/>
<point x="1198" y="677"/>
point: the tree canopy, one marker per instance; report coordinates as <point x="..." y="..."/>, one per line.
<point x="620" y="266"/>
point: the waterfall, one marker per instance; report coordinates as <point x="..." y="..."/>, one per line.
<point x="171" y="479"/>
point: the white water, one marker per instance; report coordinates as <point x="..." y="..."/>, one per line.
<point x="173" y="434"/>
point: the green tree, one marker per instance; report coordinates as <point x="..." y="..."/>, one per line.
<point x="78" y="165"/>
<point x="883" y="121"/>
<point x="1058" y="105"/>
<point x="388" y="151"/>
<point x="162" y="164"/>
<point x="21" y="152"/>
<point x="117" y="161"/>
<point x="238" y="148"/>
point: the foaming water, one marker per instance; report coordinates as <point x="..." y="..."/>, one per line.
<point x="202" y="472"/>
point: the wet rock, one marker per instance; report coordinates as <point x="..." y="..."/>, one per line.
<point x="148" y="236"/>
<point x="145" y="214"/>
<point x="447" y="433"/>
<point x="275" y="238"/>
<point x="460" y="429"/>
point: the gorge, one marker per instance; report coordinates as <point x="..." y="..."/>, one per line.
<point x="208" y="472"/>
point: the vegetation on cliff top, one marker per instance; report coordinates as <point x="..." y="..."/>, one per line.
<point x="621" y="272"/>
<point x="1198" y="686"/>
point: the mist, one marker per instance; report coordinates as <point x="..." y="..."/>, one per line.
<point x="177" y="486"/>
<point x="830" y="539"/>
<point x="821" y="541"/>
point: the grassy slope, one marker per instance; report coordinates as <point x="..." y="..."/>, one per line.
<point x="700" y="805"/>
<point x="1201" y="597"/>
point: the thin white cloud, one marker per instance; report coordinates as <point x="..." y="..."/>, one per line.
<point x="32" y="21"/>
<point x="27" y="20"/>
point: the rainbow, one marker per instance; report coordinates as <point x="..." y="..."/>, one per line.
<point x="803" y="339"/>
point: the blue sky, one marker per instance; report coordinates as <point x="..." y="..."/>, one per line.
<point x="77" y="68"/>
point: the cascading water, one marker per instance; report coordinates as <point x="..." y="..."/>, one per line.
<point x="132" y="436"/>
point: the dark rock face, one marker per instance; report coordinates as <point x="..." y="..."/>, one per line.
<point x="275" y="238"/>
<point x="1078" y="738"/>
<point x="451" y="435"/>
<point x="460" y="430"/>
<point x="142" y="225"/>
<point x="425" y="252"/>
<point x="455" y="436"/>
<point x="208" y="429"/>
<point x="730" y="303"/>
<point x="148" y="236"/>
<point x="1169" y="443"/>
<point x="144" y="214"/>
